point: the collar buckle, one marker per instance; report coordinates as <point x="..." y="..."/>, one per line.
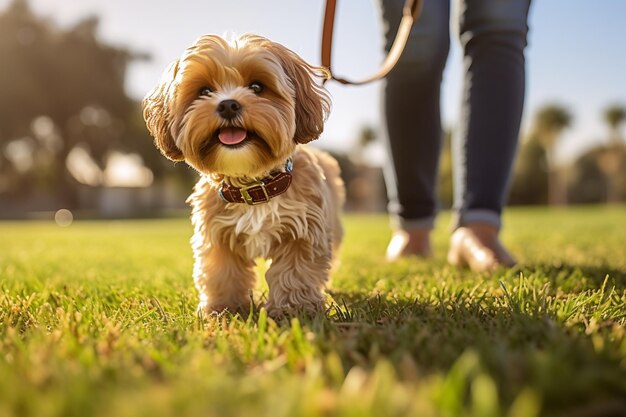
<point x="245" y="194"/>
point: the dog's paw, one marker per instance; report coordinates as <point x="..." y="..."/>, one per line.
<point x="286" y="311"/>
<point x="207" y="309"/>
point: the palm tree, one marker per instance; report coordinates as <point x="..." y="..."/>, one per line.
<point x="611" y="157"/>
<point x="550" y="122"/>
<point x="367" y="136"/>
<point x="615" y="116"/>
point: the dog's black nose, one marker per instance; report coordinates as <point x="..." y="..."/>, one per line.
<point x="228" y="109"/>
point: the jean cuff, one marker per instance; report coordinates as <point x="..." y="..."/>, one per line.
<point x="425" y="223"/>
<point x="464" y="218"/>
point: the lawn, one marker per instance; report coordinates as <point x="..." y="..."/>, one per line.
<point x="98" y="319"/>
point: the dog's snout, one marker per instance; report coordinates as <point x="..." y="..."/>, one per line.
<point x="228" y="109"/>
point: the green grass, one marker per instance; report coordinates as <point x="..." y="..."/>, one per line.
<point x="99" y="319"/>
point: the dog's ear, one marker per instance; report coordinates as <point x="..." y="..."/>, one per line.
<point x="156" y="113"/>
<point x="312" y="100"/>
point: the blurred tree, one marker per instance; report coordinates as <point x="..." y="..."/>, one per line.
<point x="530" y="176"/>
<point x="19" y="93"/>
<point x="367" y="136"/>
<point x="71" y="78"/>
<point x="365" y="190"/>
<point x="21" y="47"/>
<point x="550" y="121"/>
<point x="615" y="116"/>
<point x="444" y="185"/>
<point x="610" y="158"/>
<point x="588" y="184"/>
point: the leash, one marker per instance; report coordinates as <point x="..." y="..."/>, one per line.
<point x="410" y="13"/>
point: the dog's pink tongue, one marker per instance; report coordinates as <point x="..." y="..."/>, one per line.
<point x="231" y="135"/>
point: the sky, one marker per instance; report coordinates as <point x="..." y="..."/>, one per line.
<point x="576" y="55"/>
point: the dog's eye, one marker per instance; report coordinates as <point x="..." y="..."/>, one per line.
<point x="205" y="91"/>
<point x="256" y="87"/>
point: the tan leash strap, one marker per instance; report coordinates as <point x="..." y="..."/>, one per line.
<point x="410" y="13"/>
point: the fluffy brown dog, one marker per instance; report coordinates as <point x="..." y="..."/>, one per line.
<point x="237" y="112"/>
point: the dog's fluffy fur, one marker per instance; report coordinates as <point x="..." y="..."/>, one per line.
<point x="298" y="230"/>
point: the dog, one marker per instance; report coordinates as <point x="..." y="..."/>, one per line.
<point x="240" y="112"/>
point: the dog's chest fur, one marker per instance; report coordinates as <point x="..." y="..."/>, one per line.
<point x="256" y="229"/>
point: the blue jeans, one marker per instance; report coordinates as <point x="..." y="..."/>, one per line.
<point x="493" y="37"/>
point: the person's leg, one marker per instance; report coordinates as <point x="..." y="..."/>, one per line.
<point x="411" y="115"/>
<point x="493" y="37"/>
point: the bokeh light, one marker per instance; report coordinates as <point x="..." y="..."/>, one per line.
<point x="63" y="217"/>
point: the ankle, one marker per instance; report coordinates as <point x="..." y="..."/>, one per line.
<point x="482" y="230"/>
<point x="406" y="242"/>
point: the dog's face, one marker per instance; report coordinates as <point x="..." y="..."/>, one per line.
<point x="236" y="109"/>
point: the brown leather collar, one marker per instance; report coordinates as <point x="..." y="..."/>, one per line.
<point x="260" y="191"/>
